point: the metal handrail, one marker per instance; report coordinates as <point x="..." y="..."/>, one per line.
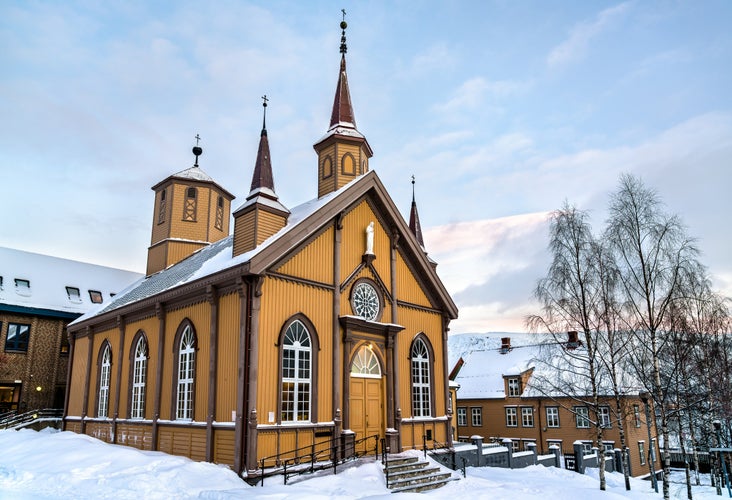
<point x="21" y="419"/>
<point x="331" y="451"/>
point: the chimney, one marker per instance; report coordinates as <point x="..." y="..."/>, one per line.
<point x="572" y="340"/>
<point x="505" y="344"/>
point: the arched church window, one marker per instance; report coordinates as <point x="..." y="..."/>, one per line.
<point x="105" y="369"/>
<point x="139" y="377"/>
<point x="421" y="389"/>
<point x="348" y="165"/>
<point x="365" y="363"/>
<point x="186" y="374"/>
<point x="327" y="167"/>
<point x="296" y="373"/>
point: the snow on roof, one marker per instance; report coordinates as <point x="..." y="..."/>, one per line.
<point x="555" y="371"/>
<point x="194" y="173"/>
<point x="210" y="259"/>
<point x="56" y="284"/>
<point x="481" y="376"/>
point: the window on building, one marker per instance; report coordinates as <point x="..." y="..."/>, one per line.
<point x="17" y="338"/>
<point x="161" y="207"/>
<point x="553" y="442"/>
<point x="514" y="388"/>
<point x="608" y="446"/>
<point x="421" y="403"/>
<point x="552" y="416"/>
<point x="586" y="447"/>
<point x="139" y="379"/>
<point x="95" y="296"/>
<point x="73" y="293"/>
<point x="582" y="417"/>
<point x="105" y="369"/>
<point x="527" y="417"/>
<point x="462" y="417"/>
<point x="515" y="445"/>
<point x="189" y="208"/>
<point x="642" y="452"/>
<point x="22" y="286"/>
<point x="527" y="444"/>
<point x="296" y="373"/>
<point x="64" y="342"/>
<point x="603" y="417"/>
<point x="511" y="417"/>
<point x="654" y="459"/>
<point x="636" y="415"/>
<point x="476" y="416"/>
<point x="186" y="374"/>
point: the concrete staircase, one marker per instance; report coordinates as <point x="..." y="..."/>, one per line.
<point x="409" y="474"/>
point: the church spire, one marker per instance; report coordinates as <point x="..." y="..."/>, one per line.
<point x="342" y="113"/>
<point x="343" y="152"/>
<point x="261" y="215"/>
<point x="414" y="224"/>
<point x="262" y="177"/>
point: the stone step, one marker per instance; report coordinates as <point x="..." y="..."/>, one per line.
<point x="395" y="469"/>
<point x="422" y="479"/>
<point x="392" y="462"/>
<point x="416" y="488"/>
<point x="397" y="476"/>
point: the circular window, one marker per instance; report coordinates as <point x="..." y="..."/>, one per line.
<point x="366" y="301"/>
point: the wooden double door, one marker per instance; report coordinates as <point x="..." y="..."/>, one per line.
<point x="366" y="409"/>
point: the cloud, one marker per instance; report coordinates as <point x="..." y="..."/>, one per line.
<point x="576" y="46"/>
<point x="473" y="92"/>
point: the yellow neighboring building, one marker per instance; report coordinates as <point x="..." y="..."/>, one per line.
<point x="326" y="321"/>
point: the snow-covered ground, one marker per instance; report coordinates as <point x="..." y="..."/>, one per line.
<point x="54" y="465"/>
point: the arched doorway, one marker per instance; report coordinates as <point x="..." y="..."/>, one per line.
<point x="366" y="397"/>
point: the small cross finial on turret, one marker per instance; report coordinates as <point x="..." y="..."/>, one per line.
<point x="197" y="150"/>
<point x="412" y="187"/>
<point x="264" y="114"/>
<point x="344" y="25"/>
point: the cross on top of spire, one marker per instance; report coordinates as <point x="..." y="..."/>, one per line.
<point x="264" y="114"/>
<point x="344" y="25"/>
<point x="197" y="150"/>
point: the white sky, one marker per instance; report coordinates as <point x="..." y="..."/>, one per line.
<point x="62" y="465"/>
<point x="502" y="110"/>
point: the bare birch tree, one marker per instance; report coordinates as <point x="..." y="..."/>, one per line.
<point x="652" y="251"/>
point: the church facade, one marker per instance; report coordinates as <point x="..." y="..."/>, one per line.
<point x="323" y="322"/>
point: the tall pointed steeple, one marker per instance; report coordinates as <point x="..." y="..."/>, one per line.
<point x="344" y="152"/>
<point x="261" y="215"/>
<point x="414" y="224"/>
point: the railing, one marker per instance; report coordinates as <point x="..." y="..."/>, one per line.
<point x="21" y="419"/>
<point x="325" y="453"/>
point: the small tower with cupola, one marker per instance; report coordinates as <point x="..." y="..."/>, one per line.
<point x="344" y="152"/>
<point x="191" y="210"/>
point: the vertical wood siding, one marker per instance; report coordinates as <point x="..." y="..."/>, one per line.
<point x="314" y="262"/>
<point x="136" y="435"/>
<point x="184" y="441"/>
<point x="228" y="357"/>
<point x="409" y="289"/>
<point x="244" y="232"/>
<point x="354" y="242"/>
<point x="292" y="298"/>
<point x="268" y="224"/>
<point x="78" y="378"/>
<point x="199" y="315"/>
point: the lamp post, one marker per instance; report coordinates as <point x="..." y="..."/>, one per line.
<point x="717" y="427"/>
<point x="645" y="396"/>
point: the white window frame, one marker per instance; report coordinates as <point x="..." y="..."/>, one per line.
<point x="511" y="416"/>
<point x="462" y="416"/>
<point x="552" y="416"/>
<point x="582" y="417"/>
<point x="514" y="387"/>
<point x="604" y="417"/>
<point x="186" y="374"/>
<point x="476" y="416"/>
<point x="297" y="372"/>
<point x="527" y="416"/>
<point x="642" y="452"/>
<point x="105" y="370"/>
<point x="139" y="374"/>
<point x="421" y="398"/>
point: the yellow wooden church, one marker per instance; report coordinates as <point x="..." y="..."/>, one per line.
<point x="322" y="323"/>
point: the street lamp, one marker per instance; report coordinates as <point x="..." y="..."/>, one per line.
<point x="645" y="396"/>
<point x="717" y="427"/>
